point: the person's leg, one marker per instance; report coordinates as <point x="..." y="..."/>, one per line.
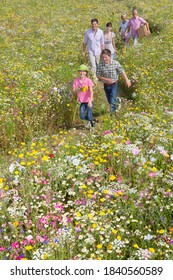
<point x="82" y="113"/>
<point x="126" y="40"/>
<point x="113" y="97"/>
<point x="90" y="115"/>
<point x="93" y="65"/>
<point x="97" y="60"/>
<point x="135" y="40"/>
<point x="107" y="92"/>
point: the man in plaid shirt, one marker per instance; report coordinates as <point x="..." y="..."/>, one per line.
<point x="108" y="72"/>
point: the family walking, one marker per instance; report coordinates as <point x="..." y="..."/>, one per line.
<point x="104" y="67"/>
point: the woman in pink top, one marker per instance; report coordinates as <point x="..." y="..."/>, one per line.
<point x="83" y="86"/>
<point x="133" y="25"/>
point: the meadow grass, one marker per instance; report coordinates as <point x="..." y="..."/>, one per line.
<point x="71" y="194"/>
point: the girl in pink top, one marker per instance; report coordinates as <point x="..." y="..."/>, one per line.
<point x="83" y="86"/>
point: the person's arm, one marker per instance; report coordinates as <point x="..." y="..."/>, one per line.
<point x="84" y="48"/>
<point x="113" y="44"/>
<point x="143" y="21"/>
<point x="102" y="42"/>
<point x="102" y="78"/>
<point x="75" y="87"/>
<point x="127" y="31"/>
<point x="102" y="46"/>
<point x="91" y="96"/>
<point x="85" y="41"/>
<point x="128" y="82"/>
<point x="147" y="25"/>
<point x="105" y="80"/>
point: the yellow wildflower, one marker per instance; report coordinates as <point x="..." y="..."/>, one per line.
<point x="90" y="216"/>
<point x="94" y="225"/>
<point x="106" y="191"/>
<point x="45" y="158"/>
<point x="21" y="155"/>
<point x="152" y="250"/>
<point x="112" y="177"/>
<point x="161" y="231"/>
<point x="15" y="224"/>
<point x="109" y="246"/>
<point x="78" y="214"/>
<point x="99" y="246"/>
<point x="85" y="88"/>
<point x="28" y="248"/>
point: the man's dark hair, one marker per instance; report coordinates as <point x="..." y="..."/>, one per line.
<point x="106" y="52"/>
<point x="94" y="20"/>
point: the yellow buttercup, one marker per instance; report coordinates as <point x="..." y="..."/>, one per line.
<point x="85" y="88"/>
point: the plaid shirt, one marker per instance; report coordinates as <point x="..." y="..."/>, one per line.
<point x="111" y="70"/>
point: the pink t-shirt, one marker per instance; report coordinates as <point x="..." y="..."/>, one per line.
<point x="135" y="23"/>
<point x="83" y="96"/>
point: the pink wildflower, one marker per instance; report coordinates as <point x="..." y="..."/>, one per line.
<point x="2" y="249"/>
<point x="136" y="151"/>
<point x="152" y="174"/>
<point x="107" y="132"/>
<point x="146" y="254"/>
<point x="15" y="245"/>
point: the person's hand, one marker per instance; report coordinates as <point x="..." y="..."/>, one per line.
<point x="83" y="53"/>
<point x="90" y="103"/>
<point x="109" y="81"/>
<point x="77" y="89"/>
<point x="148" y="32"/>
<point x="128" y="83"/>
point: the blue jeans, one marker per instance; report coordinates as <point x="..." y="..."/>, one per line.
<point x="111" y="95"/>
<point x="135" y="39"/>
<point x="86" y="112"/>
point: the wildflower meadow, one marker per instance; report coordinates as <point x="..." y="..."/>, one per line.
<point x="67" y="193"/>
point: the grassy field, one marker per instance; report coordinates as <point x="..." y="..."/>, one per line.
<point x="66" y="193"/>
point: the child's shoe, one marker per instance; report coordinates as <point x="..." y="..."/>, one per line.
<point x="88" y="125"/>
<point x="118" y="104"/>
<point x="92" y="123"/>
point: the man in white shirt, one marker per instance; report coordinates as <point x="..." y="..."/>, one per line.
<point x="95" y="40"/>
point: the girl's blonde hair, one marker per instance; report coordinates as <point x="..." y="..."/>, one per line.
<point x="123" y="14"/>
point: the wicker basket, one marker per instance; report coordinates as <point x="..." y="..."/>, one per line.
<point x="142" y="31"/>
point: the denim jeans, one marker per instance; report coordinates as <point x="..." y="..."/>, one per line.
<point x="86" y="112"/>
<point x="135" y="39"/>
<point x="111" y="95"/>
